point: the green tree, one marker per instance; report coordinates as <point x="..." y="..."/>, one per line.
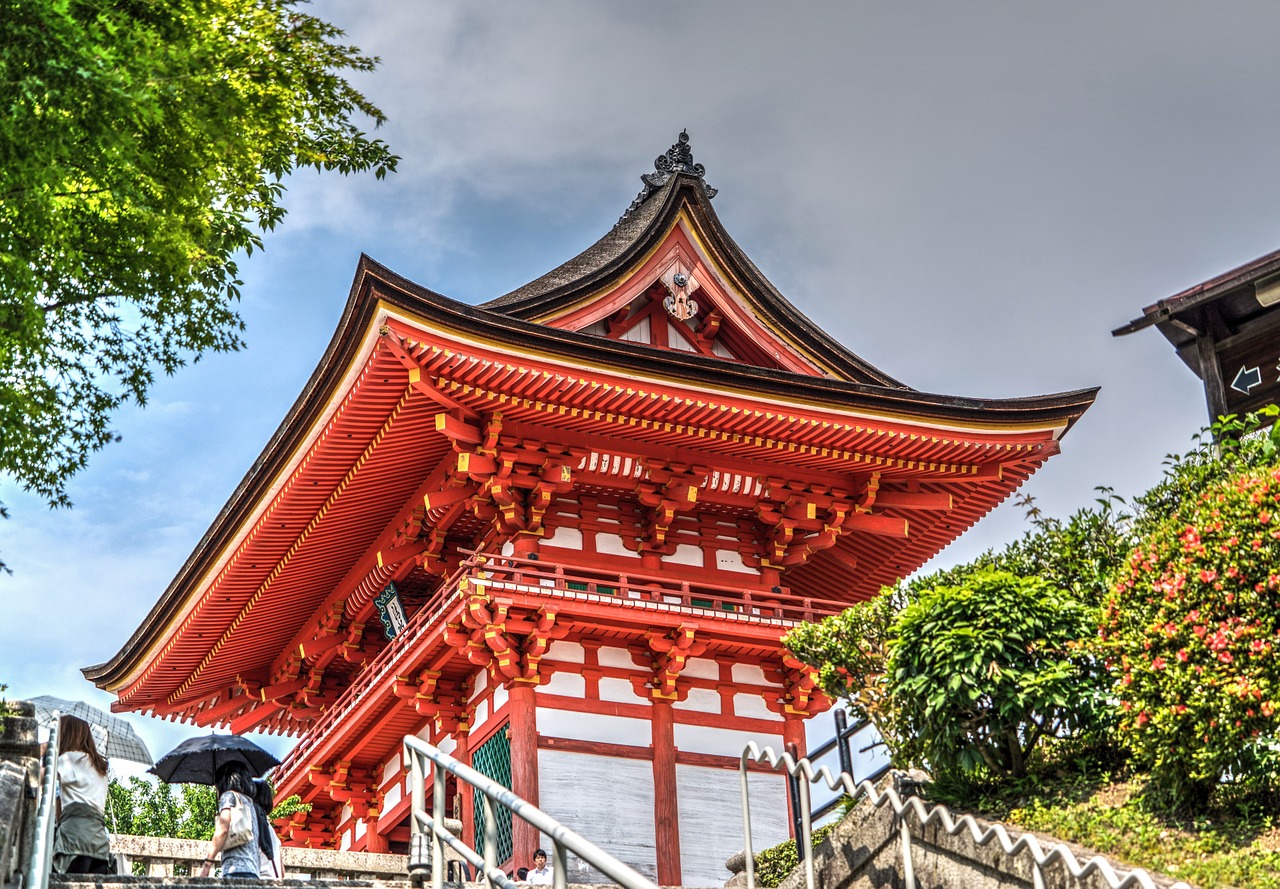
<point x="980" y="672"/>
<point x="850" y="651"/>
<point x="143" y="147"/>
<point x="156" y="809"/>
<point x="1080" y="554"/>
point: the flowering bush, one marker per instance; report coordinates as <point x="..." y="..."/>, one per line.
<point x="1190" y="631"/>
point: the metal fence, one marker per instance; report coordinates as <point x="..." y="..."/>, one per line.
<point x="429" y="835"/>
<point x="41" y="863"/>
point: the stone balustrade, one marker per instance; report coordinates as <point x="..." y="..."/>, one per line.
<point x="160" y="857"/>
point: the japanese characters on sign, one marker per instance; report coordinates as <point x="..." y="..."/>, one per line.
<point x="390" y="611"/>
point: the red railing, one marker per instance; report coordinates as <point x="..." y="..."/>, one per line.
<point x="531" y="577"/>
<point x="511" y="576"/>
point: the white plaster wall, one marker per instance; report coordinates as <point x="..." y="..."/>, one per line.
<point x="750" y="674"/>
<point x="595" y="727"/>
<point x="391" y="767"/>
<point x="701" y="668"/>
<point x="393" y="795"/>
<point x="566" y="537"/>
<point x="685" y="555"/>
<point x="722" y="741"/>
<point x="731" y="560"/>
<point x="753" y="705"/>
<point x="616" y="657"/>
<point x="500" y="695"/>
<point x="564" y="683"/>
<point x="701" y="700"/>
<point x="570" y="652"/>
<point x="620" y="691"/>
<point x="606" y="799"/>
<point x="710" y="806"/>
<point x="481" y="715"/>
<point x="612" y="545"/>
<point x="481" y="683"/>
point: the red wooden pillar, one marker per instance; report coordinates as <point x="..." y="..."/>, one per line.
<point x="463" y="754"/>
<point x="524" y="767"/>
<point x="666" y="805"/>
<point x="374" y="841"/>
<point x="525" y="545"/>
<point x="793" y="742"/>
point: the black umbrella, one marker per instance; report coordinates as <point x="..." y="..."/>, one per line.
<point x="197" y="760"/>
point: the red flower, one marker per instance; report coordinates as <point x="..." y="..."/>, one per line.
<point x="1182" y="655"/>
<point x="1158" y="663"/>
<point x="1225" y="657"/>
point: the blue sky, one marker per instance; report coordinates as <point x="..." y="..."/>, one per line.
<point x="970" y="196"/>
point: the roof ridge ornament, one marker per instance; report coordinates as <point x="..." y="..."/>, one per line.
<point x="677" y="159"/>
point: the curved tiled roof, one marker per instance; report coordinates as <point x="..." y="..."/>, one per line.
<point x="639" y="230"/>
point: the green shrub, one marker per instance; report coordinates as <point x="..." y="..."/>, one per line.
<point x="850" y="651"/>
<point x="776" y="863"/>
<point x="1192" y="628"/>
<point x="1079" y="554"/>
<point x="981" y="671"/>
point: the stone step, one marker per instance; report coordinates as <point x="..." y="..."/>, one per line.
<point x="61" y="881"/>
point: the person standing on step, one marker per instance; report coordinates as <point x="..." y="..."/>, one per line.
<point x="234" y="784"/>
<point x="539" y="874"/>
<point x="80" y="841"/>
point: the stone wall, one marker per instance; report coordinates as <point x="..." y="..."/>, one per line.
<point x="865" y="851"/>
<point x="19" y="789"/>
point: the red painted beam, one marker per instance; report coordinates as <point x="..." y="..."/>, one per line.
<point x="910" y="500"/>
<point x="884" y="526"/>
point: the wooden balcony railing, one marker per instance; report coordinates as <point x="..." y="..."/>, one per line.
<point x="511" y="576"/>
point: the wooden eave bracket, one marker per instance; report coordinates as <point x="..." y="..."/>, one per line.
<point x="670" y="652"/>
<point x="416" y="381"/>
<point x="801" y="695"/>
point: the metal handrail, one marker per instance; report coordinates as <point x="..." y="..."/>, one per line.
<point x="41" y="862"/>
<point x="925" y="816"/>
<point x="562" y="838"/>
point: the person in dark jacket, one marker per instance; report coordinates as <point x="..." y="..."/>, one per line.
<point x="270" y="864"/>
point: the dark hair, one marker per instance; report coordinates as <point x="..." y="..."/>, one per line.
<point x="537" y="852"/>
<point x="234" y="775"/>
<point x="264" y="799"/>
<point x="522" y="873"/>
<point x="74" y="736"/>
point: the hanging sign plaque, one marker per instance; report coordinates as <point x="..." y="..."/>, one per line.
<point x="390" y="611"/>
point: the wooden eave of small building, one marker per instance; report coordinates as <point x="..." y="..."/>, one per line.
<point x="605" y="262"/>
<point x="1231" y="297"/>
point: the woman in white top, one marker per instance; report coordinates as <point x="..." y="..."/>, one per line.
<point x="80" y="842"/>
